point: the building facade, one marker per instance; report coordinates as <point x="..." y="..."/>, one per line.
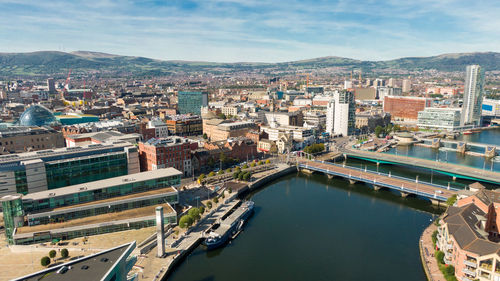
<point x="345" y="110"/>
<point x="185" y="125"/>
<point x="405" y="109"/>
<point x="22" y="139"/>
<point x="50" y="169"/>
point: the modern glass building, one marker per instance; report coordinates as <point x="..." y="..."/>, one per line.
<point x="191" y="102"/>
<point x="54" y="168"/>
<point x="98" y="207"/>
<point x="439" y="118"/>
<point x="37" y="115"/>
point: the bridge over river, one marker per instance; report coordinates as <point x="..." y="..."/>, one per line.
<point x="453" y="170"/>
<point x="436" y="193"/>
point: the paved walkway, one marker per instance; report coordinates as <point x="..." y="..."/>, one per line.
<point x="428" y="254"/>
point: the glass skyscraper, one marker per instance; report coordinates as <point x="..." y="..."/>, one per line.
<point x="473" y="96"/>
<point x="191" y="102"/>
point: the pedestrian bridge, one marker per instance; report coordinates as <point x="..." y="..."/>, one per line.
<point x="436" y="193"/>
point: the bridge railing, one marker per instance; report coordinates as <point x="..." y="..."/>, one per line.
<point x="389" y="175"/>
<point x="399" y="188"/>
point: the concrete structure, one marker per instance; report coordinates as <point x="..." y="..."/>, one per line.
<point x="439" y="118"/>
<point x="166" y="152"/>
<point x="230" y="110"/>
<point x="405" y="109"/>
<point x="218" y="129"/>
<point x="51" y="86"/>
<point x="185" y="125"/>
<point x="345" y="109"/>
<point x="100" y="137"/>
<point x="21" y="139"/>
<point x="365" y="93"/>
<point x="160" y="232"/>
<point x="49" y="169"/>
<point x="473" y="96"/>
<point x="285" y="118"/>
<point x="109" y="265"/>
<point x="368" y="121"/>
<point x="108" y="205"/>
<point x="330" y="117"/>
<point x="160" y="128"/>
<point x="191" y="102"/>
<point x="490" y="108"/>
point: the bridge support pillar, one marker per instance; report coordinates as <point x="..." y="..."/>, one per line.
<point x="330" y="176"/>
<point x="436" y="143"/>
<point x="306" y="171"/>
<point x="377" y="187"/>
<point x="351" y="181"/>
<point x="435" y="202"/>
<point x="404" y="194"/>
<point x="490" y="152"/>
<point x="454" y="178"/>
<point x="461" y="147"/>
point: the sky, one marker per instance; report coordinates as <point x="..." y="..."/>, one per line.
<point x="252" y="30"/>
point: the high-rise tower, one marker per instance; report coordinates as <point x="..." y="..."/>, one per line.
<point x="473" y="96"/>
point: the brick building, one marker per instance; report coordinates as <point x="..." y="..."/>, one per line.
<point x="405" y="108"/>
<point x="161" y="153"/>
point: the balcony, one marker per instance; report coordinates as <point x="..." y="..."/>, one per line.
<point x="470" y="263"/>
<point x="469" y="272"/>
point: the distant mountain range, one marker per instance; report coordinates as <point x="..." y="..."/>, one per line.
<point x="55" y="63"/>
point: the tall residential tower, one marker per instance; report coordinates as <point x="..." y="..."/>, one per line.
<point x="473" y="96"/>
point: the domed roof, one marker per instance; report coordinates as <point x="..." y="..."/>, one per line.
<point x="37" y="115"/>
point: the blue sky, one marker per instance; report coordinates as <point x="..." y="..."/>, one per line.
<point x="252" y="30"/>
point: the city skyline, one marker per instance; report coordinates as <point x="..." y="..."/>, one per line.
<point x="233" y="30"/>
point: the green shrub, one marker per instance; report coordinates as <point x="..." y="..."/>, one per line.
<point x="201" y="209"/>
<point x="245" y="166"/>
<point x="211" y="174"/>
<point x="260" y="163"/>
<point x="64" y="253"/>
<point x="45" y="261"/>
<point x="216" y="200"/>
<point x="52" y="254"/>
<point x="434" y="238"/>
<point x="451" y="200"/>
<point x="194" y="213"/>
<point x="440" y="257"/>
<point x="221" y="172"/>
<point x="209" y="205"/>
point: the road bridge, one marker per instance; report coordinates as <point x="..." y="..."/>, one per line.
<point x="454" y="170"/>
<point x="435" y="193"/>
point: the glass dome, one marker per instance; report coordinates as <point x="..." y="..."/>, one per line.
<point x="37" y="115"/>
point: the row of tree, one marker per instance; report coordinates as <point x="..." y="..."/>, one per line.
<point x="45" y="261"/>
<point x="384" y="131"/>
<point x="193" y="215"/>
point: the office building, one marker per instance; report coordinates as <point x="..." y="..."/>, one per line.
<point x="344" y="115"/>
<point x="185" y="125"/>
<point x="159" y="153"/>
<point x="406" y="85"/>
<point x="115" y="204"/>
<point x="439" y="118"/>
<point x="473" y="96"/>
<point x="491" y="108"/>
<point x="405" y="109"/>
<point x="51" y="86"/>
<point x="365" y="93"/>
<point x="285" y="118"/>
<point x="191" y="102"/>
<point x="21" y="139"/>
<point x="54" y="168"/>
<point x="218" y="129"/>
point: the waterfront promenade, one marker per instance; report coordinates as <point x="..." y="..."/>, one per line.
<point x="405" y="186"/>
<point x="429" y="261"/>
<point x="442" y="167"/>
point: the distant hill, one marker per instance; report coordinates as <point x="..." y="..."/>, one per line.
<point x="58" y="63"/>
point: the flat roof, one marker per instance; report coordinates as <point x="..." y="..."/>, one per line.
<point x="100" y="184"/>
<point x="99" y="219"/>
<point x="98" y="266"/>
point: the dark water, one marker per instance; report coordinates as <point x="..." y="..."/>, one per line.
<point x="312" y="228"/>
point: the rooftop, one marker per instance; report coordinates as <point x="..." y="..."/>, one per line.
<point x="100" y="184"/>
<point x="98" y="265"/>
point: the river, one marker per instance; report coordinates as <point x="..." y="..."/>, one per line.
<point x="313" y="228"/>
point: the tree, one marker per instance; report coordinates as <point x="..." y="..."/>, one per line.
<point x="235" y="175"/>
<point x="268" y="161"/>
<point x="201" y="209"/>
<point x="260" y="163"/>
<point x="64" y="253"/>
<point x="246" y="176"/>
<point x="211" y="162"/>
<point x="223" y="157"/>
<point x="185" y="221"/>
<point x="440" y="257"/>
<point x="209" y="205"/>
<point x="194" y="213"/>
<point x="252" y="164"/>
<point x="45" y="261"/>
<point x="52" y="254"/>
<point x="229" y="170"/>
<point x="245" y="166"/>
<point x="211" y="174"/>
<point x="205" y="136"/>
<point x="240" y="175"/>
<point x="434" y="237"/>
<point x="451" y="200"/>
<point x="220" y="172"/>
<point x="216" y="200"/>
<point x="230" y="190"/>
<point x="378" y="131"/>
